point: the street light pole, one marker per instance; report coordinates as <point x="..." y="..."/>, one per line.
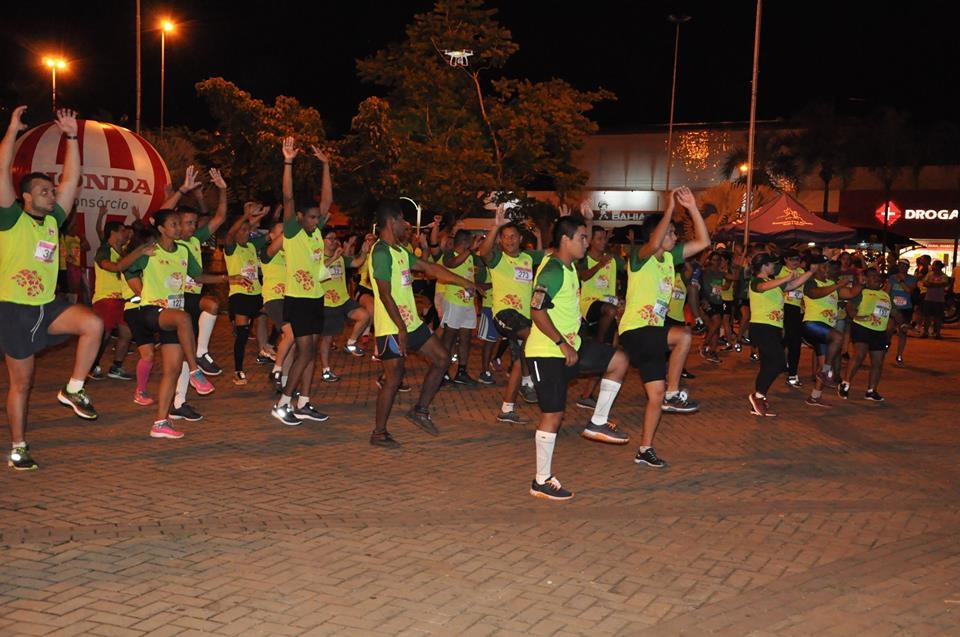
<point x="676" y="20"/>
<point x="139" y="84"/>
<point x="165" y="27"/>
<point x="54" y="64"/>
<point x="753" y="127"/>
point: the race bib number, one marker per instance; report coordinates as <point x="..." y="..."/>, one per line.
<point x="612" y="300"/>
<point x="249" y="272"/>
<point x="796" y="294"/>
<point x="900" y="301"/>
<point x="881" y="310"/>
<point x="715" y="290"/>
<point x="405" y="278"/>
<point x="44" y="251"/>
<point x="660" y="309"/>
<point x="336" y="272"/>
<point x="679" y="294"/>
<point x="175" y="302"/>
<point x="602" y="283"/>
<point x="524" y="275"/>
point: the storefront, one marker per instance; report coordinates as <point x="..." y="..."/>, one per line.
<point x="931" y="218"/>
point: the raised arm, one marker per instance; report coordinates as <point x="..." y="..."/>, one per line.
<point x="289" y="154"/>
<point x="220" y="214"/>
<point x="660" y="230"/>
<point x="701" y="237"/>
<point x="190" y="182"/>
<point x="326" y="187"/>
<point x="8" y="193"/>
<point x="70" y="180"/>
<point x="100" y="216"/>
<point x="499" y="221"/>
<point x="360" y="257"/>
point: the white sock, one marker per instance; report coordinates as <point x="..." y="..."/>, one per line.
<point x="643" y="449"/>
<point x="670" y="394"/>
<point x="18" y="445"/>
<point x="284" y="400"/>
<point x="302" y="402"/>
<point x="351" y="341"/>
<point x="277" y="368"/>
<point x="545" y="442"/>
<point x="608" y="393"/>
<point x="180" y="395"/>
<point x="205" y="328"/>
<point x="526" y="381"/>
<point x="74" y="385"/>
<point x="506" y="408"/>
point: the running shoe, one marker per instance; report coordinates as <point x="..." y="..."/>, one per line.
<point x="141" y="398"/>
<point x="20" y="459"/>
<point x="680" y="403"/>
<point x="528" y="393"/>
<point x="239" y="378"/>
<point x="163" y="429"/>
<point x="486" y="378"/>
<point x="284" y="413"/>
<point x="816" y="402"/>
<point x="843" y="390"/>
<point x="550" y="490"/>
<point x="96" y="373"/>
<point x="117" y="372"/>
<point x="606" y="432"/>
<point x="650" y="458"/>
<point x="874" y="396"/>
<point x="421" y="418"/>
<point x="384" y="439"/>
<point x="587" y="403"/>
<point x="207" y="364"/>
<point x="353" y="348"/>
<point x="79" y="402"/>
<point x="309" y="412"/>
<point x="185" y="412"/>
<point x="329" y="377"/>
<point x="200" y="383"/>
<point x="512" y="417"/>
<point x="794" y="381"/>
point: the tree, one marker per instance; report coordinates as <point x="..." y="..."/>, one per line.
<point x="822" y="143"/>
<point x="458" y="134"/>
<point x="774" y="164"/>
<point x="246" y="143"/>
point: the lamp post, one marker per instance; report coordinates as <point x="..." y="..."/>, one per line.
<point x="53" y="64"/>
<point x="166" y="26"/>
<point x="753" y="125"/>
<point x="139" y="83"/>
<point x="677" y="20"/>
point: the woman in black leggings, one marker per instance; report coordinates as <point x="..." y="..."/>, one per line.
<point x="766" y="324"/>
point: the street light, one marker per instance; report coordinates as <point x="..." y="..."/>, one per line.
<point x="166" y="26"/>
<point x="676" y="20"/>
<point x="54" y="63"/>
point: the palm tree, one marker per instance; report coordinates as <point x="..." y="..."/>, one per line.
<point x="821" y="142"/>
<point x="774" y="164"/>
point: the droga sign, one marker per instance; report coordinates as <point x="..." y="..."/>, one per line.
<point x="931" y="215"/>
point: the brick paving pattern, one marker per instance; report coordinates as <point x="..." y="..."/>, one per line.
<point x="828" y="522"/>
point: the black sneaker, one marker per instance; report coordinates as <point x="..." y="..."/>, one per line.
<point x="606" y="432"/>
<point x="309" y="412"/>
<point x="486" y="378"/>
<point x="384" y="440"/>
<point x="649" y="458"/>
<point x="685" y="374"/>
<point x="699" y="327"/>
<point x="680" y="404"/>
<point x="117" y="372"/>
<point x="899" y="361"/>
<point x="79" y="402"/>
<point x="284" y="413"/>
<point x="207" y="364"/>
<point x="874" y="396"/>
<point x="794" y="381"/>
<point x="587" y="403"/>
<point x="263" y="359"/>
<point x="329" y="377"/>
<point x="550" y="490"/>
<point x="421" y="418"/>
<point x="277" y="379"/>
<point x="185" y="412"/>
<point x="20" y="459"/>
<point x="355" y="350"/>
<point x="512" y="417"/>
<point x="843" y="390"/>
<point x="462" y="378"/>
<point x="96" y="373"/>
<point x="528" y="393"/>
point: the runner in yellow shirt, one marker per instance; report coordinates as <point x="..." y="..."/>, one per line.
<point x="397" y="324"/>
<point x="643" y="333"/>
<point x="241" y="252"/>
<point x="109" y="293"/>
<point x="556" y="354"/>
<point x="338" y="307"/>
<point x="870" y="311"/>
<point x="33" y="319"/>
<point x="303" y="299"/>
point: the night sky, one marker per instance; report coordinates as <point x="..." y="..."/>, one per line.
<point x="855" y="54"/>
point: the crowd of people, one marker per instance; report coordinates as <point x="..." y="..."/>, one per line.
<point x="580" y="307"/>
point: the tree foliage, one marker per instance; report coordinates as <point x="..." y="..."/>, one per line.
<point x="458" y="133"/>
<point x="246" y="143"/>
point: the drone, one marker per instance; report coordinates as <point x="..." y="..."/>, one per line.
<point x="459" y="57"/>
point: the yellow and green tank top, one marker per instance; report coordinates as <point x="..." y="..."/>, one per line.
<point x="107" y="285"/>
<point x="602" y="286"/>
<point x="562" y="284"/>
<point x="454" y="294"/>
<point x="164" y="276"/>
<point x="876" y="306"/>
<point x="335" y="288"/>
<point x="649" y="289"/>
<point x="512" y="279"/>
<point x="29" y="255"/>
<point x="274" y="275"/>
<point x="243" y="260"/>
<point x="824" y="309"/>
<point x="678" y="298"/>
<point x="393" y="263"/>
<point x="766" y="307"/>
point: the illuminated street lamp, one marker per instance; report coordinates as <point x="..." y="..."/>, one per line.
<point x="166" y="26"/>
<point x="54" y="63"/>
<point x="676" y="20"/>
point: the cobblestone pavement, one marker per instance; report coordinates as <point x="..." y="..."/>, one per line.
<point x="833" y="522"/>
